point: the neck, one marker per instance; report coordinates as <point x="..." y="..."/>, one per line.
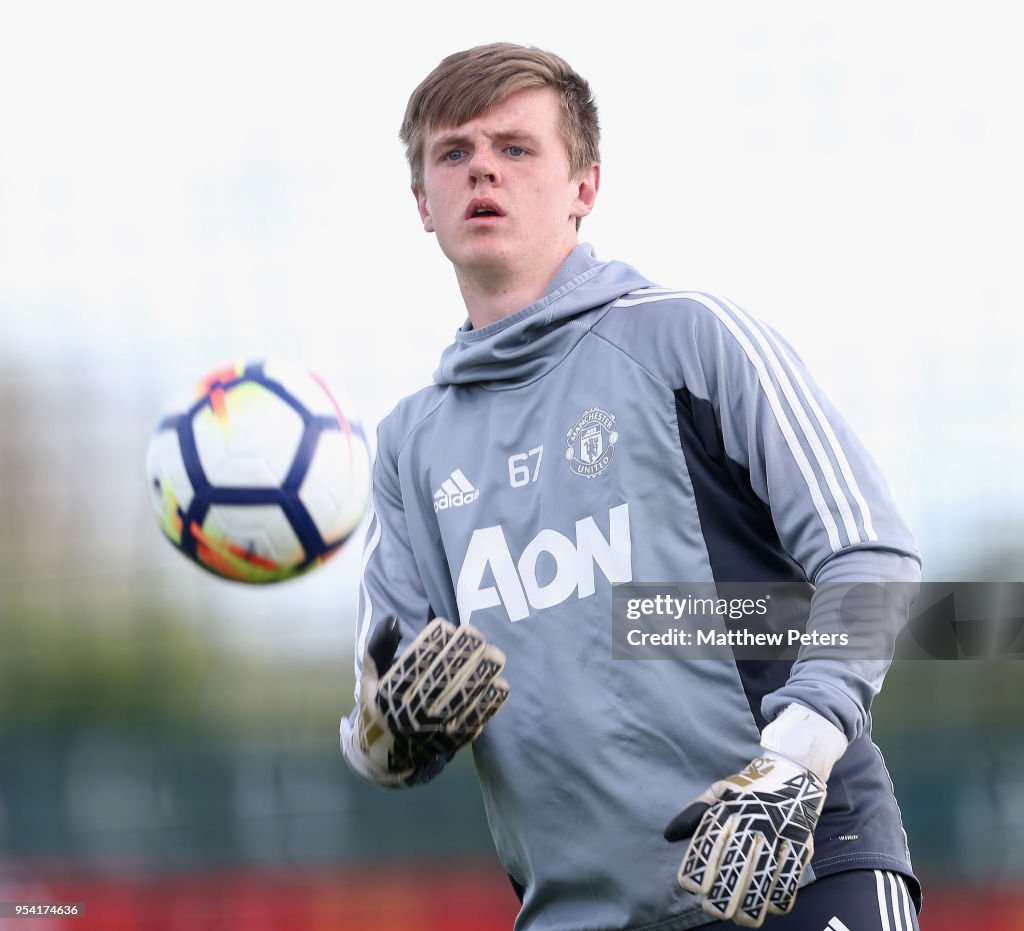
<point x="495" y="292"/>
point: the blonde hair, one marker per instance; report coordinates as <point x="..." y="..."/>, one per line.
<point x="469" y="83"/>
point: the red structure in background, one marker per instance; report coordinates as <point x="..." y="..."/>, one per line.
<point x="452" y="898"/>
<point x="448" y="898"/>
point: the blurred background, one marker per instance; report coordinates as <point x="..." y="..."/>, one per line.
<point x="186" y="185"/>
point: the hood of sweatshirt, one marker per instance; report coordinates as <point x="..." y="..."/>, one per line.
<point x="525" y="345"/>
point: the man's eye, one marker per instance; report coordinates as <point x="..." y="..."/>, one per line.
<point x="515" y="150"/>
<point x="454" y="155"/>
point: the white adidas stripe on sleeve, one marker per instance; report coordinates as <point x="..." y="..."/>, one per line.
<point x="363" y="626"/>
<point x="774" y="356"/>
<point x="774" y="402"/>
<point x="762" y="334"/>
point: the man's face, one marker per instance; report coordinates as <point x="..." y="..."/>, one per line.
<point x="497" y="190"/>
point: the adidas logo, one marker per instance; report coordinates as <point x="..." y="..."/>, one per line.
<point x="455" y="492"/>
<point x="834" y="924"/>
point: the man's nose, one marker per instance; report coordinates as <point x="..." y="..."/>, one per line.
<point x="484" y="166"/>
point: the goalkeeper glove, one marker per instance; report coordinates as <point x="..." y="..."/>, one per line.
<point x="753" y="833"/>
<point x="415" y="713"/>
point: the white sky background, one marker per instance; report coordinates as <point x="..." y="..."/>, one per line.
<point x="182" y="185"/>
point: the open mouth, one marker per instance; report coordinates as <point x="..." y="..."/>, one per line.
<point x="483" y="208"/>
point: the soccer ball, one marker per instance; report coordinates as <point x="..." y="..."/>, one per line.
<point x="258" y="475"/>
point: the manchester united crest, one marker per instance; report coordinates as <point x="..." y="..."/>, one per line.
<point x="591" y="443"/>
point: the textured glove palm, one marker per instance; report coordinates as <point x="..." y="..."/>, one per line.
<point x="435" y="699"/>
<point x="753" y="836"/>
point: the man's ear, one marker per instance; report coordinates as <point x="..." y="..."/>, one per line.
<point x="587" y="182"/>
<point x="424" y="209"/>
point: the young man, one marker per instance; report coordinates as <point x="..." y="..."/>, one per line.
<point x="588" y="429"/>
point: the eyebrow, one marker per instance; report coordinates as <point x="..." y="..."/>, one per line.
<point x="502" y="135"/>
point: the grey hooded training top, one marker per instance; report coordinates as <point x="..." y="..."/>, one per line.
<point x="615" y="432"/>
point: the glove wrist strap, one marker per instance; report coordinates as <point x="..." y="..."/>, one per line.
<point x="807" y="738"/>
<point x="361" y="764"/>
